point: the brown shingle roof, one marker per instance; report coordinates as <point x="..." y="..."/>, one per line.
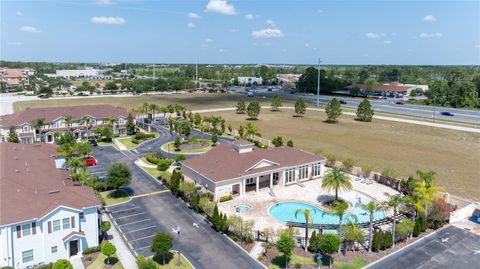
<point x="223" y="162"/>
<point x="31" y="186"/>
<point x="52" y="113"/>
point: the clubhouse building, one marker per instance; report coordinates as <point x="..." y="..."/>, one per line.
<point x="55" y="122"/>
<point x="241" y="167"/>
<point x="44" y="216"/>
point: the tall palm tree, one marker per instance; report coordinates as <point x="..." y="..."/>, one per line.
<point x="393" y="202"/>
<point x="307" y="213"/>
<point x="111" y="122"/>
<point x="38" y="125"/>
<point x="425" y="196"/>
<point x="75" y="163"/>
<point x="87" y="121"/>
<point x="69" y="121"/>
<point x="339" y="209"/>
<point x="336" y="180"/>
<point x="251" y="130"/>
<point x="154" y="108"/>
<point x="371" y="207"/>
<point x="428" y="178"/>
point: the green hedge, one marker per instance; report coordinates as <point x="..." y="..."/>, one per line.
<point x="91" y="250"/>
<point x="225" y="198"/>
<point x="143" y="136"/>
<point x="163" y="165"/>
<point x="152" y="159"/>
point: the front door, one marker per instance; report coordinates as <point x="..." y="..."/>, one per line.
<point x="73" y="247"/>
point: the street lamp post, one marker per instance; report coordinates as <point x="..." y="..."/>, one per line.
<point x="318" y="83"/>
<point x="178" y="232"/>
<point x="434" y="104"/>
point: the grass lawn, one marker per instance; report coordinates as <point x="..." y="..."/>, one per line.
<point x="99" y="263"/>
<point x="279" y="262"/>
<point x="169" y="145"/>
<point x="155" y="172"/>
<point x="405" y="147"/>
<point x="172" y="262"/>
<point x="355" y="264"/>
<point x="119" y="197"/>
<point x="104" y="144"/>
<point x="127" y="142"/>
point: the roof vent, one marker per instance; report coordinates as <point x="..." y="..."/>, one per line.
<point x="15" y="157"/>
<point x="54" y="191"/>
<point x="17" y="171"/>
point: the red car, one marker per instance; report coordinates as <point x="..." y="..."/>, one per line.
<point x="90" y="161"/>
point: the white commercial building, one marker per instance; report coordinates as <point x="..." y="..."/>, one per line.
<point x="44" y="216"/>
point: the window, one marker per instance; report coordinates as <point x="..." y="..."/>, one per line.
<point x="56" y="225"/>
<point x="56" y="124"/>
<point x="82" y="215"/>
<point x="121" y="121"/>
<point x="94" y="122"/>
<point x="54" y="249"/>
<point x="27" y="256"/>
<point x="250" y="181"/>
<point x="316" y="169"/>
<point x="66" y="223"/>
<point x="26" y="128"/>
<point x="303" y="172"/>
<point x="290" y="175"/>
<point x="26" y="229"/>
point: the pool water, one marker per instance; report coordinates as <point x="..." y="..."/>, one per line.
<point x="242" y="208"/>
<point x="285" y="211"/>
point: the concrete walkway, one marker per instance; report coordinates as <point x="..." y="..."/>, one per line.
<point x="257" y="250"/>
<point x="77" y="262"/>
<point x="123" y="253"/>
<point x="119" y="144"/>
<point x="417" y="122"/>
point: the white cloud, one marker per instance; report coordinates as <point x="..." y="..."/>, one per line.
<point x="372" y="35"/>
<point x="108" y="20"/>
<point x="307" y="45"/>
<point x="267" y="33"/>
<point x="270" y="23"/>
<point x="222" y="50"/>
<point x="320" y="11"/>
<point x="105" y="2"/>
<point x="14" y="43"/>
<point x="220" y="6"/>
<point x="29" y="29"/>
<point x="193" y="15"/>
<point x="209" y="40"/>
<point x="19" y="13"/>
<point x="233" y="30"/>
<point x="430" y="35"/>
<point x="429" y="18"/>
<point x="477" y="46"/>
<point x="387" y="42"/>
<point x="249" y="16"/>
<point x="191" y="25"/>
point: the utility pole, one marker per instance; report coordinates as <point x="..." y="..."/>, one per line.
<point x="318" y="84"/>
<point x="196" y="74"/>
<point x="434" y="104"/>
<point x="153" y="71"/>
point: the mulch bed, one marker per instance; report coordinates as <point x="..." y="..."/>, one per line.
<point x="88" y="259"/>
<point x="189" y="145"/>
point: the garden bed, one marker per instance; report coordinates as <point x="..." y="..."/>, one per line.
<point x="188" y="147"/>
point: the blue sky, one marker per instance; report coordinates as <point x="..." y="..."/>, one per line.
<point x="219" y="31"/>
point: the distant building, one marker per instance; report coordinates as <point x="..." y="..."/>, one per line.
<point x="87" y="73"/>
<point x="292" y="78"/>
<point x="393" y="89"/>
<point x="44" y="216"/>
<point x="250" y="80"/>
<point x="15" y="77"/>
<point x="54" y="118"/>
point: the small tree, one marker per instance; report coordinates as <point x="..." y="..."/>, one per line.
<point x="161" y="244"/>
<point x="179" y="158"/>
<point x="241" y="131"/>
<point x="214" y="139"/>
<point x="197" y="119"/>
<point x="118" y="175"/>
<point x="105" y="227"/>
<point x="108" y="249"/>
<point x="329" y="244"/>
<point x="290" y="143"/>
<point x="276" y="102"/>
<point x="12" y="135"/>
<point x="241" y="106"/>
<point x="216" y="218"/>
<point x="404" y="228"/>
<point x="62" y="264"/>
<point x="390" y="172"/>
<point x="230" y="129"/>
<point x="300" y="107"/>
<point x="177" y="143"/>
<point x="333" y="110"/>
<point x="131" y="128"/>
<point x="253" y="110"/>
<point x="365" y="111"/>
<point x="285" y="245"/>
<point x="175" y="180"/>
<point x="348" y="164"/>
<point x="277" y="141"/>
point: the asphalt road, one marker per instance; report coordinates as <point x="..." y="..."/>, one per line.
<point x="448" y="248"/>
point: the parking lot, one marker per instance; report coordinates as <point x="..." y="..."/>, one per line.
<point x="450" y="247"/>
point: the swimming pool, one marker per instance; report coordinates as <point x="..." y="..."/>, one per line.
<point x="285" y="211"/>
<point x="242" y="208"/>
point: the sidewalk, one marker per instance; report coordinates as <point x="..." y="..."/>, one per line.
<point x="119" y="144"/>
<point x="123" y="253"/>
<point x="77" y="262"/>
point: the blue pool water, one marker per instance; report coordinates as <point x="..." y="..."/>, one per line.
<point x="243" y="208"/>
<point x="285" y="211"/>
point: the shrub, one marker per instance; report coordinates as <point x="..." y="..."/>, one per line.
<point x="151" y="159"/>
<point x="157" y="155"/>
<point x="390" y="172"/>
<point x="420" y="225"/>
<point x="143" y="136"/>
<point x="387" y="241"/>
<point x="163" y="165"/>
<point x="331" y="158"/>
<point x="179" y="158"/>
<point x="290" y="143"/>
<point x="377" y="240"/>
<point x="404" y="228"/>
<point x="62" y="264"/>
<point x="135" y="141"/>
<point x="439" y="214"/>
<point x="313" y="242"/>
<point x="277" y="141"/>
<point x="91" y="250"/>
<point x="348" y="164"/>
<point x="225" y="198"/>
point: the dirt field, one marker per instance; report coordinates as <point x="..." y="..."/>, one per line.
<point x="454" y="155"/>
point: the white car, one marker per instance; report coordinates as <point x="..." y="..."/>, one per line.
<point x="250" y="94"/>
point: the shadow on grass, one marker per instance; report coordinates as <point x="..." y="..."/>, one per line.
<point x="159" y="258"/>
<point x="279" y="261"/>
<point x="110" y="261"/>
<point x="118" y="194"/>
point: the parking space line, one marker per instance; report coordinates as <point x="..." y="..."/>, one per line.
<point x="149" y="246"/>
<point x="135" y="222"/>
<point x="126" y="209"/>
<point x="148" y="194"/>
<point x="153" y="226"/>
<point x="131" y="215"/>
<point x="145" y="237"/>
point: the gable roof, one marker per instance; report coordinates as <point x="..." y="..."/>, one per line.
<point x="31" y="186"/>
<point x="223" y="162"/>
<point x="52" y="113"/>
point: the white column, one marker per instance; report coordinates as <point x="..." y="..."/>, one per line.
<point x="257" y="183"/>
<point x="244" y="186"/>
<point x="271" y="181"/>
<point x="284" y="178"/>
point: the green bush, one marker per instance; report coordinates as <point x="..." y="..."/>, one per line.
<point x="62" y="264"/>
<point x="163" y="165"/>
<point x="135" y="141"/>
<point x="420" y="225"/>
<point x="225" y="198"/>
<point x="143" y="136"/>
<point x="151" y="159"/>
<point x="387" y="241"/>
<point x="91" y="250"/>
<point x="377" y="240"/>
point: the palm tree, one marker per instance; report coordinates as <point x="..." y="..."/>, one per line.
<point x="339" y="209"/>
<point x="111" y="122"/>
<point x="393" y="202"/>
<point x="251" y="130"/>
<point x="38" y="125"/>
<point x="427" y="177"/>
<point x="424" y="196"/>
<point x="154" y="108"/>
<point x="336" y="180"/>
<point x="371" y="207"/>
<point x="87" y="121"/>
<point x="308" y="221"/>
<point x="74" y="163"/>
<point x="69" y="121"/>
<point x="351" y="233"/>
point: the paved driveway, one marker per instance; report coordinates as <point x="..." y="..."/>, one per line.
<point x="448" y="248"/>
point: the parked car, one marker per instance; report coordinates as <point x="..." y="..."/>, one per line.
<point x="43" y="96"/>
<point x="250" y="94"/>
<point x="93" y="142"/>
<point x="399" y="103"/>
<point x="90" y="161"/>
<point x="446" y="113"/>
<point x="343" y="102"/>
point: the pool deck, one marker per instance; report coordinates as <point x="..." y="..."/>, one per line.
<point x="312" y="193"/>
